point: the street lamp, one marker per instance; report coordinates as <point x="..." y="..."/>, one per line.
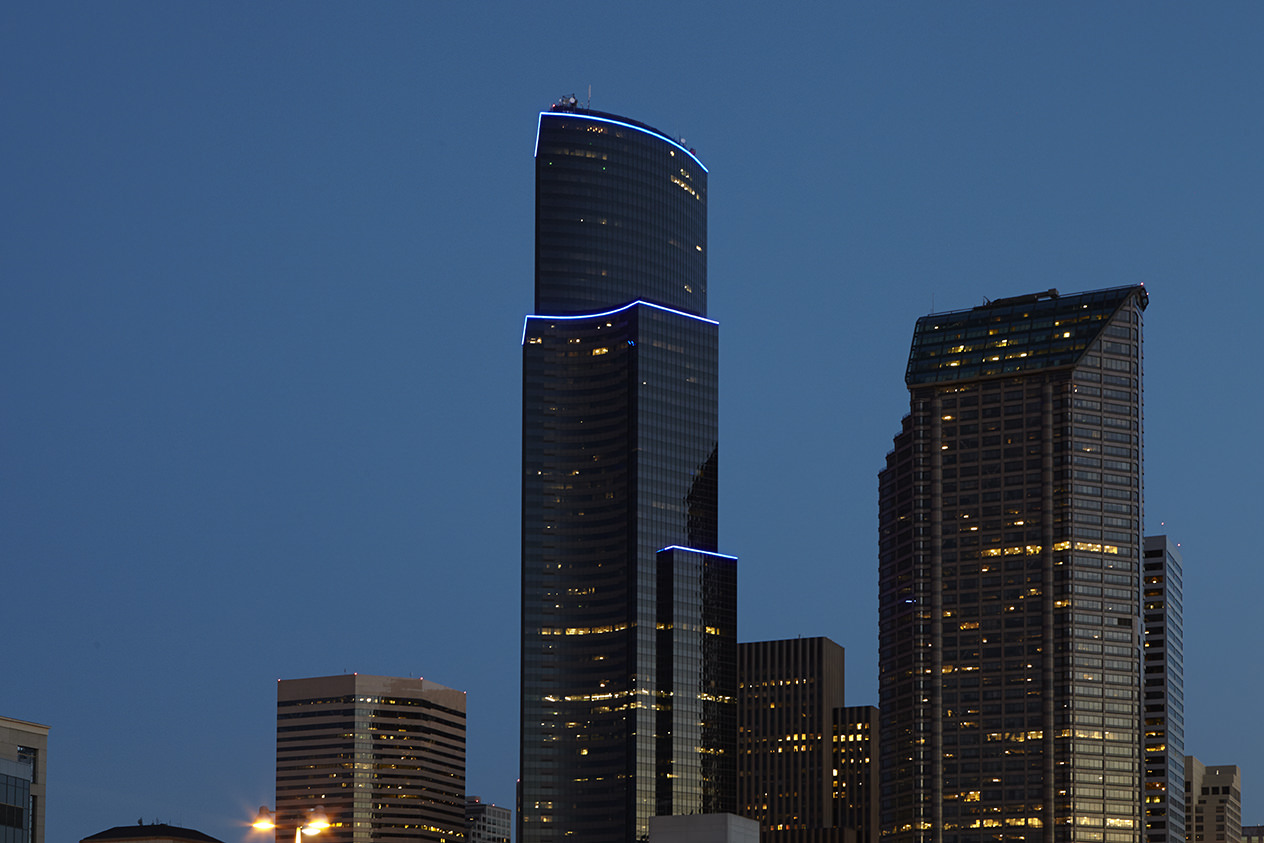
<point x="317" y="822"/>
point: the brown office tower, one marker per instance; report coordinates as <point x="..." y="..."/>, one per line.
<point x="384" y="757"/>
<point x="788" y="695"/>
<point x="856" y="771"/>
<point x="1010" y="519"/>
<point x="1213" y="803"/>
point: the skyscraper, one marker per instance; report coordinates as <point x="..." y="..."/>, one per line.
<point x="384" y="757"/>
<point x="1163" y="691"/>
<point x="1010" y="549"/>
<point x="629" y="667"/>
<point x="790" y="700"/>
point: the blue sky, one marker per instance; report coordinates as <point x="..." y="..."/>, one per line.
<point x="263" y="268"/>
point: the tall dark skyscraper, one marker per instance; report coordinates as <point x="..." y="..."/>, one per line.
<point x="629" y="648"/>
<point x="1010" y="552"/>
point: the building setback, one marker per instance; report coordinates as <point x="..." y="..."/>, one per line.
<point x="1163" y="691"/>
<point x="384" y="757"/>
<point x="1213" y="803"/>
<point x="23" y="772"/>
<point x="1009" y="558"/>
<point x="629" y="672"/>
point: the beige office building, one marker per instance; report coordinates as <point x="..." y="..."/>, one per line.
<point x="1213" y="803"/>
<point x="383" y="756"/>
<point x="23" y="756"/>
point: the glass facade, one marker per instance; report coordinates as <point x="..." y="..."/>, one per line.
<point x="628" y="613"/>
<point x="15" y="802"/>
<point x="621" y="214"/>
<point x="1010" y="517"/>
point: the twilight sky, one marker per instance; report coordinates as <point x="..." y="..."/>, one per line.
<point x="263" y="269"/>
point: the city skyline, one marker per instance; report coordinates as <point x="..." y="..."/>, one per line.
<point x="264" y="277"/>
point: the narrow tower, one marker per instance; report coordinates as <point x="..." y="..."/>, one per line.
<point x="1009" y="552"/>
<point x="629" y="671"/>
<point x="1163" y="691"/>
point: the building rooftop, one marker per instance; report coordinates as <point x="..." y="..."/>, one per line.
<point x="571" y="106"/>
<point x="155" y="831"/>
<point x="1017" y="334"/>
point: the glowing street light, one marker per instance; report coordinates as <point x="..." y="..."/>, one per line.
<point x="317" y="821"/>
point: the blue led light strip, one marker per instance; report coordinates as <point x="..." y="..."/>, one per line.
<point x="653" y="134"/>
<point x="695" y="550"/>
<point x="531" y="316"/>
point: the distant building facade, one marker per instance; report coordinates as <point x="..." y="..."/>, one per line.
<point x="485" y="822"/>
<point x="23" y="759"/>
<point x="1009" y="553"/>
<point x="153" y="833"/>
<point x="384" y="757"/>
<point x="856" y="749"/>
<point x="1213" y="803"/>
<point x="1163" y="691"/>
<point x="1253" y="834"/>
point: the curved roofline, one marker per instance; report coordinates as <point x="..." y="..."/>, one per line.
<point x="602" y="117"/>
<point x="696" y="550"/>
<point x="627" y="306"/>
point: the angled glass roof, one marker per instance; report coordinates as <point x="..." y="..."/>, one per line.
<point x="1006" y="336"/>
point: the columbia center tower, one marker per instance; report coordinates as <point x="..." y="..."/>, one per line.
<point x="1010" y="551"/>
<point x="629" y="649"/>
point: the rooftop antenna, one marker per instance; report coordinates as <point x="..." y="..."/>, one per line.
<point x="588" y="105"/>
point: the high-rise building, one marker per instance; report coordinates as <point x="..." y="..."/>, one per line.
<point x="1213" y="803"/>
<point x="806" y="763"/>
<point x="789" y="695"/>
<point x="856" y="771"/>
<point x="383" y="756"/>
<point x="629" y="672"/>
<point x="1010" y="552"/>
<point x="23" y="763"/>
<point x="1163" y="691"/>
<point x="485" y="822"/>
